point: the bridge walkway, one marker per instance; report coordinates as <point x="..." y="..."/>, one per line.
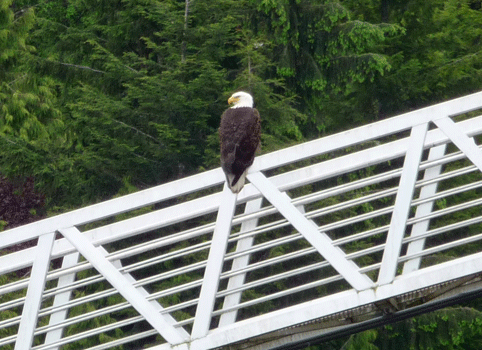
<point x="373" y="221"/>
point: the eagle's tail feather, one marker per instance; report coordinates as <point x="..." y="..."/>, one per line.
<point x="236" y="182"/>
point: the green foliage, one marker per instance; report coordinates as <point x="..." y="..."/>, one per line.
<point x="94" y="93"/>
<point x="27" y="101"/>
<point x="435" y="59"/>
<point x="323" y="54"/>
<point x="362" y="341"/>
<point x="280" y="121"/>
<point x="133" y="90"/>
<point x="99" y="99"/>
<point x="446" y="329"/>
<point x="14" y="30"/>
<point x="451" y="328"/>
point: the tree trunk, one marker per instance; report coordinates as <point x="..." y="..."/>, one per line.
<point x="183" y="45"/>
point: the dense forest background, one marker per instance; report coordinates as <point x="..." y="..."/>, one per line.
<point x="102" y="98"/>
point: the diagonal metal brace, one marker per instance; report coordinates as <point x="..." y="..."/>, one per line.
<point x="402" y="207"/>
<point x="309" y="230"/>
<point x="35" y="291"/>
<point x="465" y="143"/>
<point x="125" y="288"/>
<point x="214" y="264"/>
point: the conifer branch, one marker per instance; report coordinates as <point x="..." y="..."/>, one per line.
<point x="138" y="131"/>
<point x="10" y="84"/>
<point x="183" y="44"/>
<point x="8" y="140"/>
<point x="78" y="66"/>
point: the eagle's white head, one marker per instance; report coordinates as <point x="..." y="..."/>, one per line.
<point x="241" y="99"/>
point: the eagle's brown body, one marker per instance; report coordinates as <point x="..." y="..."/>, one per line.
<point x="239" y="134"/>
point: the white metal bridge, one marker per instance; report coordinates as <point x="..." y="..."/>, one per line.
<point x="330" y="233"/>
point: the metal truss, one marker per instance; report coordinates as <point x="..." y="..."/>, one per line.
<point x="328" y="233"/>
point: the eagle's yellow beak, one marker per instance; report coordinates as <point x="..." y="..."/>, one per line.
<point x="232" y="100"/>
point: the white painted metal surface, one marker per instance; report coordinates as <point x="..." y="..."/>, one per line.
<point x="214" y="264"/>
<point x="56" y="318"/>
<point x="406" y="187"/>
<point x="327" y="231"/>
<point x="424" y="209"/>
<point x="34" y="292"/>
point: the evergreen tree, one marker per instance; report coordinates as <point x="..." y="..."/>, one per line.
<point x="437" y="57"/>
<point x="140" y="87"/>
<point x="323" y="54"/>
<point x="457" y="328"/>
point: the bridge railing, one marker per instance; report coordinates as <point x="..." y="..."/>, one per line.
<point x="384" y="211"/>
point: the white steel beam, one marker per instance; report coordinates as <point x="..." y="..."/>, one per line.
<point x="29" y="319"/>
<point x="214" y="265"/>
<point x="154" y="304"/>
<point x="402" y="204"/>
<point x="61" y="299"/>
<point x="125" y="288"/>
<point x="461" y="140"/>
<point x="424" y="209"/>
<point x="240" y="263"/>
<point x="309" y="230"/>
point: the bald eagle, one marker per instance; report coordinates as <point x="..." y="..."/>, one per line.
<point x="239" y="135"/>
